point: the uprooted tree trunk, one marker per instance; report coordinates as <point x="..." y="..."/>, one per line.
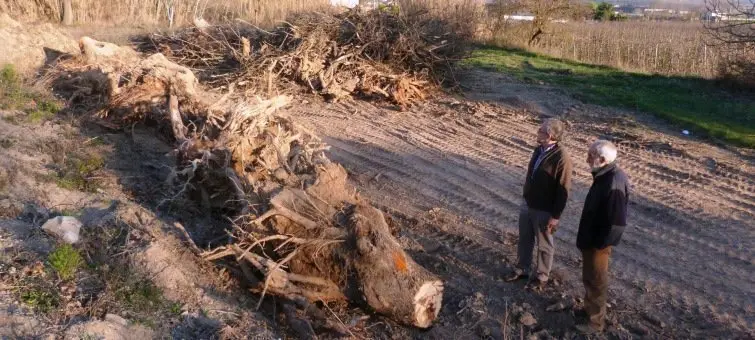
<point x="302" y="232"/>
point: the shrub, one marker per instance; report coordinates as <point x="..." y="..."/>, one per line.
<point x="41" y="300"/>
<point x="66" y="261"/>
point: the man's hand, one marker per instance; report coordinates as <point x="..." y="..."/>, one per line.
<point x="552" y="225"/>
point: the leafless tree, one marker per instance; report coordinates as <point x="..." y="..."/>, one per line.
<point x="735" y="21"/>
<point x="733" y="30"/>
<point x="543" y="11"/>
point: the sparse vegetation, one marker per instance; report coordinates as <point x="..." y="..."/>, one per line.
<point x="127" y="292"/>
<point x="159" y="12"/>
<point x="696" y="104"/>
<point x="15" y="96"/>
<point x="66" y="261"/>
<point x="668" y="48"/>
<point x="78" y="172"/>
<point x="41" y="300"/>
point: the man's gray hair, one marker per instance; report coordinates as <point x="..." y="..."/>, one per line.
<point x="555" y="128"/>
<point x="605" y="149"/>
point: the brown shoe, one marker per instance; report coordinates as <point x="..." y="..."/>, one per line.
<point x="587" y="329"/>
<point x="517" y="275"/>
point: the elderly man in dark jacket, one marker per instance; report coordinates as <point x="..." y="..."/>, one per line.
<point x="546" y="190"/>
<point x="604" y="217"/>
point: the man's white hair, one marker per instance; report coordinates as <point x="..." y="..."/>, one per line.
<point x="605" y="149"/>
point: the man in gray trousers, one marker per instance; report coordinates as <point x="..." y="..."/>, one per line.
<point x="546" y="190"/>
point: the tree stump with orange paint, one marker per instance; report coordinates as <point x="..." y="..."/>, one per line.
<point x="357" y="251"/>
<point x="389" y="280"/>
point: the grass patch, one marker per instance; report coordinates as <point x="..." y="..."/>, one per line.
<point x="696" y="104"/>
<point x="37" y="116"/>
<point x="131" y="294"/>
<point x="140" y="296"/>
<point x="66" y="261"/>
<point x="14" y="95"/>
<point x="41" y="300"/>
<point x="78" y="172"/>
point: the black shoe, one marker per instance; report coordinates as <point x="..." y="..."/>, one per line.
<point x="517" y="275"/>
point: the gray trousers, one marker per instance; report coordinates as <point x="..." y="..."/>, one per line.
<point x="533" y="226"/>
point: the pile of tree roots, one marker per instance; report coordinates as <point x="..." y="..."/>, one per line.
<point x="379" y="54"/>
<point x="300" y="231"/>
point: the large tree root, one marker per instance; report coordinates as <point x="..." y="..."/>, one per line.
<point x="301" y="231"/>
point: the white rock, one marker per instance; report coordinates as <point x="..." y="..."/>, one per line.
<point x="65" y="227"/>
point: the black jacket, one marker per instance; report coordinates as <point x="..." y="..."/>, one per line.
<point x="547" y="187"/>
<point x="605" y="213"/>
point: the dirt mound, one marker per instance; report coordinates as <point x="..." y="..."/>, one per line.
<point x="381" y="53"/>
<point x="30" y="46"/>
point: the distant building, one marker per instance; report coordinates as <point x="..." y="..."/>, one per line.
<point x="720" y="16"/>
<point x="519" y="17"/>
<point x="345" y="3"/>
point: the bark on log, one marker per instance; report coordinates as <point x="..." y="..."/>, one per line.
<point x="390" y="281"/>
<point x="387" y="279"/>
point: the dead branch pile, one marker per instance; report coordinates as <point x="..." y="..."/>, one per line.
<point x="382" y="53"/>
<point x="300" y="231"/>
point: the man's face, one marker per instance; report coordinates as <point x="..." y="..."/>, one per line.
<point x="543" y="138"/>
<point x="593" y="160"/>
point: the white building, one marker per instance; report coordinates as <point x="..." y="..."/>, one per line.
<point x="347" y="3"/>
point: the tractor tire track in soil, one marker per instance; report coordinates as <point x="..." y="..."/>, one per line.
<point x="687" y="257"/>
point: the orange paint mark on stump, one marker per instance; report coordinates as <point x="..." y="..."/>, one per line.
<point x="400" y="261"/>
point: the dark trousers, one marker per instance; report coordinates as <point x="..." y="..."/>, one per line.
<point x="595" y="279"/>
<point x="533" y="229"/>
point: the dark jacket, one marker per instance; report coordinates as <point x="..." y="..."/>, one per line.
<point x="605" y="213"/>
<point x="547" y="187"/>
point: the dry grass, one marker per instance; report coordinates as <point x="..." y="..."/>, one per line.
<point x="668" y="48"/>
<point x="156" y="12"/>
<point x="467" y="15"/>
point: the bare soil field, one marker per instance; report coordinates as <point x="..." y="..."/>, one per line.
<point x="448" y="172"/>
<point x="452" y="171"/>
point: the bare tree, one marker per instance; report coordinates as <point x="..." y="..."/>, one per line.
<point x="543" y="11"/>
<point x="67" y="13"/>
<point x="734" y="21"/>
<point x="731" y="24"/>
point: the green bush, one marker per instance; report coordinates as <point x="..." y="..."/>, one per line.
<point x="604" y="12"/>
<point x="41" y="300"/>
<point x="66" y="261"/>
<point x="9" y="77"/>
